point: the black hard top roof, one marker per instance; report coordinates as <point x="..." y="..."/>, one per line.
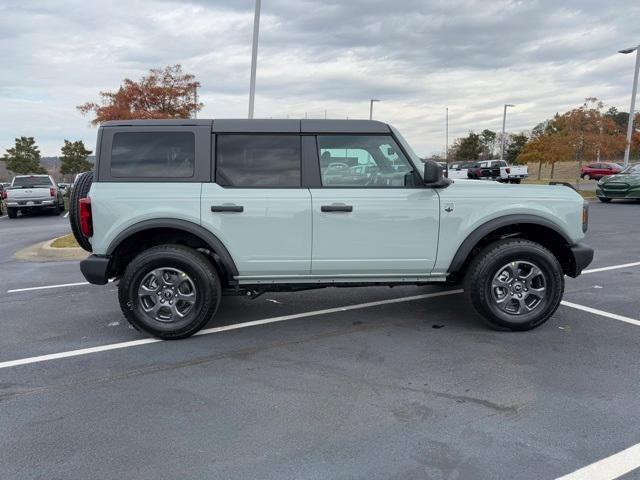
<point x="237" y="125"/>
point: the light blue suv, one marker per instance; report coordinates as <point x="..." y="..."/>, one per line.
<point x="183" y="212"/>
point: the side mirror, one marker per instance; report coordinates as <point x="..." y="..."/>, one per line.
<point x="432" y="172"/>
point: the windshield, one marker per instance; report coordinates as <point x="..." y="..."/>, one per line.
<point x="413" y="155"/>
<point x="632" y="169"/>
<point x="32" y="181"/>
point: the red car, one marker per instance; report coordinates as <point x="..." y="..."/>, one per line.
<point x="596" y="171"/>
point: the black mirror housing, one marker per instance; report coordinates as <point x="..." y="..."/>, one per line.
<point x="433" y="176"/>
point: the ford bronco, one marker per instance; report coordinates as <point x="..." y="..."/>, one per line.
<point x="182" y="212"/>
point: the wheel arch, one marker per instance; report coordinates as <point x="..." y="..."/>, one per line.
<point x="147" y="233"/>
<point x="531" y="227"/>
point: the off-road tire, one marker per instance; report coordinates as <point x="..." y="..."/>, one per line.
<point x="197" y="268"/>
<point x="80" y="190"/>
<point x="489" y="262"/>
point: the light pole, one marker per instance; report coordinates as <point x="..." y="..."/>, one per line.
<point x="446" y="137"/>
<point x="504" y="121"/>
<point x="371" y="107"/>
<point x="254" y="57"/>
<point x="634" y="89"/>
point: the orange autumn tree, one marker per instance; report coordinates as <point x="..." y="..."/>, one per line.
<point x="163" y="93"/>
<point x="585" y="133"/>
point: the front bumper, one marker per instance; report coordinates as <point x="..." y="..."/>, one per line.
<point x="581" y="257"/>
<point x="95" y="269"/>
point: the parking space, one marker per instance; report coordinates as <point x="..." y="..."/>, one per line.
<point x="336" y="383"/>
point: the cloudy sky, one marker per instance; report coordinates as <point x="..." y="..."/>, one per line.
<point x="416" y="56"/>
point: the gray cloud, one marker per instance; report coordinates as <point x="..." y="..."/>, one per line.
<point x="416" y="55"/>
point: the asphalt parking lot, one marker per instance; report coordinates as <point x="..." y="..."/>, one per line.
<point x="326" y="384"/>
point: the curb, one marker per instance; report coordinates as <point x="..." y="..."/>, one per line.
<point x="44" y="252"/>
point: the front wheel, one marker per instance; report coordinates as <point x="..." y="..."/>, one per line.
<point x="169" y="291"/>
<point x="586" y="176"/>
<point x="515" y="284"/>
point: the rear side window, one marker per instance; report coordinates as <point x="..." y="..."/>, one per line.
<point x="258" y="161"/>
<point x="153" y="154"/>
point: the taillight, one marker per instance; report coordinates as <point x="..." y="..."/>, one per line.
<point x="4" y="194"/>
<point x="86" y="220"/>
<point x="52" y="191"/>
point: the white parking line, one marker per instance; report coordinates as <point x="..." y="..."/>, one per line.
<point x="609" y="468"/>
<point x="66" y="215"/>
<point x="4" y="216"/>
<point x="45" y="287"/>
<point x="602" y="313"/>
<point x="208" y="331"/>
<point x="612" y="267"/>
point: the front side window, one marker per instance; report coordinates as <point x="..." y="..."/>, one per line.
<point x="153" y="155"/>
<point x="362" y="161"/>
<point x="250" y="161"/>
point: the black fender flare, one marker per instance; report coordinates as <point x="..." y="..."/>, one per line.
<point x="486" y="228"/>
<point x="177" y="224"/>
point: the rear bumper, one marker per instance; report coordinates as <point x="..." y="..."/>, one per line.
<point x="34" y="203"/>
<point x="95" y="269"/>
<point x="581" y="257"/>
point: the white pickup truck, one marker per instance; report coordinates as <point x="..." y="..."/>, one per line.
<point x="497" y="170"/>
<point x="29" y="193"/>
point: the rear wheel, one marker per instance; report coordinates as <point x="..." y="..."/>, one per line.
<point x="80" y="190"/>
<point x="169" y="291"/>
<point x="604" y="199"/>
<point x="12" y="212"/>
<point x="515" y="284"/>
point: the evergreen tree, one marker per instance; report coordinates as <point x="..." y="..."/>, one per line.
<point x="74" y="158"/>
<point x="24" y="157"/>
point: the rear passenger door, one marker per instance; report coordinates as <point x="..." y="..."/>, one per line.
<point x="257" y="206"/>
<point x="372" y="217"/>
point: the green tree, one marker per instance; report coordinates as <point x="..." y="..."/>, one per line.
<point x="489" y="138"/>
<point x="515" y="145"/>
<point x="24" y="157"/>
<point x="469" y="147"/>
<point x="74" y="158"/>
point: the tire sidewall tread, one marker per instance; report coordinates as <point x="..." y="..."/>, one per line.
<point x="483" y="266"/>
<point x="207" y="284"/>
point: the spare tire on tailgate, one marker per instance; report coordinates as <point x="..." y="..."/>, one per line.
<point x="79" y="191"/>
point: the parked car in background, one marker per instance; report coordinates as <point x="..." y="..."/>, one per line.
<point x="595" y="171"/>
<point x="64" y="188"/>
<point x="29" y="193"/>
<point x="625" y="184"/>
<point x="497" y="170"/>
<point x="458" y="170"/>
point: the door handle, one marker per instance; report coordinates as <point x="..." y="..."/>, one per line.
<point x="336" y="207"/>
<point x="227" y="208"/>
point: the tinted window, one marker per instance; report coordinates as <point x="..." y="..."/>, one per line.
<point x="153" y="154"/>
<point x="258" y="160"/>
<point x="362" y="161"/>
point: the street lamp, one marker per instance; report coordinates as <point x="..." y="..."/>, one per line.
<point x="504" y="121"/>
<point x="254" y="57"/>
<point x="446" y="137"/>
<point x="634" y="89"/>
<point x="371" y="107"/>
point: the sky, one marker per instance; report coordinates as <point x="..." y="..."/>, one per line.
<point x="416" y="56"/>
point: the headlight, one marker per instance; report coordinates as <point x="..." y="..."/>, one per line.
<point x="585" y="216"/>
